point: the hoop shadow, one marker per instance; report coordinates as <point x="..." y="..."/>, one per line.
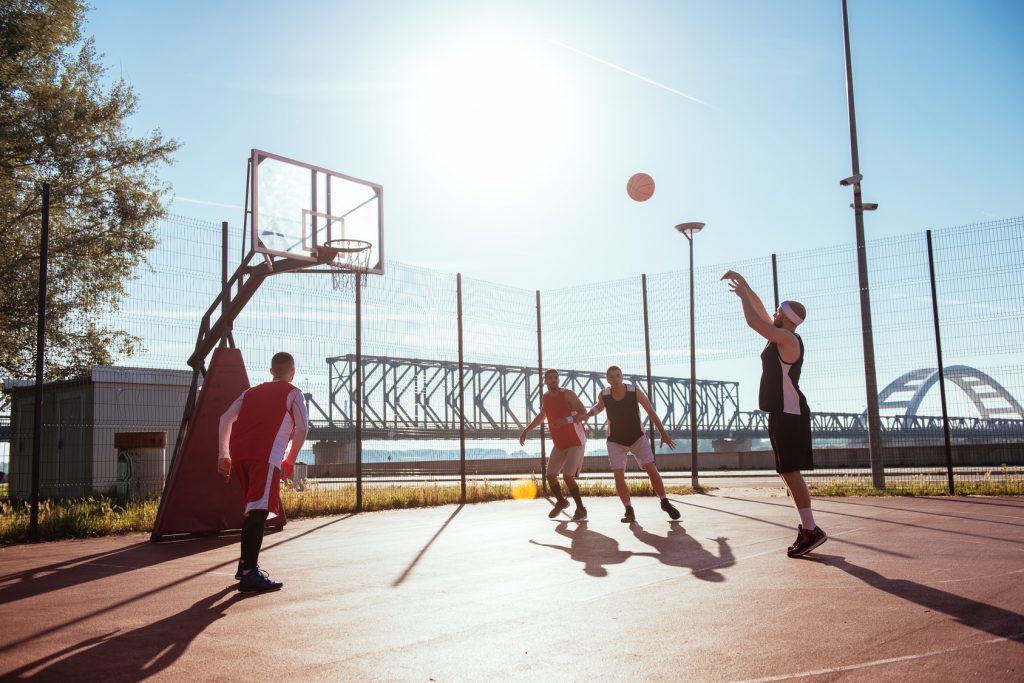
<point x="977" y="615"/>
<point x="677" y="549"/>
<point x="135" y="654"/>
<point x="590" y="548"/>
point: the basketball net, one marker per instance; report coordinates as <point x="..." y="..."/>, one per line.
<point x="348" y="257"/>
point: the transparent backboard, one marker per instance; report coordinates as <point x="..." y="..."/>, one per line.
<point x="298" y="207"/>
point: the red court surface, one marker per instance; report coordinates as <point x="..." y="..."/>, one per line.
<point x="907" y="589"/>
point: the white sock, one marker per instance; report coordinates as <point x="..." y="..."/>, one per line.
<point x="807" y="519"/>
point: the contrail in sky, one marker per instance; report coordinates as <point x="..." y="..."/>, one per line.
<point x="189" y="200"/>
<point x="630" y="73"/>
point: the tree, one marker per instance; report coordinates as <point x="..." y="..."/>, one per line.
<point x="64" y="122"/>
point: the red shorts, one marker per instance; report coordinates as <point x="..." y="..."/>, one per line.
<point x="261" y="485"/>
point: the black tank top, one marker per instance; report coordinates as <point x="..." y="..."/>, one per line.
<point x="779" y="392"/>
<point x="623" y="416"/>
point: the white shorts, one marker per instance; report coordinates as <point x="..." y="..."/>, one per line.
<point x="641" y="450"/>
<point x="569" y="460"/>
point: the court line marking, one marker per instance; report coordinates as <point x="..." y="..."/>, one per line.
<point x="881" y="662"/>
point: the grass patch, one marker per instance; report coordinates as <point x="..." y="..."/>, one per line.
<point x="76" y="518"/>
<point x="997" y="483"/>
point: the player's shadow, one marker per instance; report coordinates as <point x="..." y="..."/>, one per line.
<point x="132" y="655"/>
<point x="977" y="615"/>
<point x="677" y="549"/>
<point x="80" y="570"/>
<point x="586" y="546"/>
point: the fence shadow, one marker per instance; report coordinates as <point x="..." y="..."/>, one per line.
<point x="77" y="571"/>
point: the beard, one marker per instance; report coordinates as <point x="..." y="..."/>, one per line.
<point x="777" y="323"/>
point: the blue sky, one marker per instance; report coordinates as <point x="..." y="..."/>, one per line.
<point x="504" y="133"/>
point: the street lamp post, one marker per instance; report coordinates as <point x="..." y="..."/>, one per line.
<point x="867" y="336"/>
<point x="689" y="230"/>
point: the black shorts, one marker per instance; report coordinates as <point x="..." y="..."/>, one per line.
<point x="791" y="441"/>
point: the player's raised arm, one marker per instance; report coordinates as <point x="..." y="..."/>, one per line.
<point x="530" y="427"/>
<point x="645" y="403"/>
<point x="739" y="285"/>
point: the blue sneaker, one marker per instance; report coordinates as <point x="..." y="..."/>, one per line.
<point x="238" y="574"/>
<point x="258" y="581"/>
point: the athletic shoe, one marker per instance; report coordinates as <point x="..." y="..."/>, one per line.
<point x="560" y="505"/>
<point x="258" y="581"/>
<point x="238" y="574"/>
<point x="669" y="508"/>
<point x="629" y="517"/>
<point x="806" y="541"/>
<point x="580" y="515"/>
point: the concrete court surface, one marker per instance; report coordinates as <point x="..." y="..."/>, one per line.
<point x="908" y="589"/>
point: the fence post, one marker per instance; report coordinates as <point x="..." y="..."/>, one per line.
<point x="225" y="291"/>
<point x="37" y="419"/>
<point x="359" y="392"/>
<point x="775" y="282"/>
<point x="462" y="394"/>
<point x="540" y="397"/>
<point x="942" y="372"/>
<point x="647" y="351"/>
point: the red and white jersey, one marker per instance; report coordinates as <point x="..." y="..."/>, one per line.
<point x="260" y="423"/>
<point x="556" y="409"/>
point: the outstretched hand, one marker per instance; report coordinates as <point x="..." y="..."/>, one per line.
<point x="737" y="283"/>
<point x="668" y="441"/>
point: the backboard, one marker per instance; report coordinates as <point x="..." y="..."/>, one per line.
<point x="298" y="207"/>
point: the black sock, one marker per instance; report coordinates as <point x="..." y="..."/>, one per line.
<point x="556" y="491"/>
<point x="252" y="538"/>
<point x="575" y="493"/>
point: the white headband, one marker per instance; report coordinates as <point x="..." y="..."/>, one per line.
<point x="790" y="313"/>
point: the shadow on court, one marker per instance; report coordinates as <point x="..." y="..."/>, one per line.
<point x="58" y="576"/>
<point x="905" y="589"/>
<point x="978" y="615"/>
<point x="588" y="547"/>
<point x="677" y="549"/>
<point x="134" y="654"/>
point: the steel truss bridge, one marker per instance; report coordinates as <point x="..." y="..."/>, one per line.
<point x="412" y="398"/>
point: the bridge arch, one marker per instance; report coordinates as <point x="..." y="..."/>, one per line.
<point x="990" y="398"/>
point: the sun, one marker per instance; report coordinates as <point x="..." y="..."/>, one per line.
<point x="494" y="114"/>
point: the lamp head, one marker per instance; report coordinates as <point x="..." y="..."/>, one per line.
<point x="690" y="229"/>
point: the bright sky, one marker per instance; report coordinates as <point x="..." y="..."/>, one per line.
<point x="504" y="133"/>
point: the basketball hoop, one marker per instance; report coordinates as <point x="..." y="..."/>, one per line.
<point x="347" y="258"/>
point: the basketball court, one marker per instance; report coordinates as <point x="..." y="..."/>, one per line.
<point x="906" y="588"/>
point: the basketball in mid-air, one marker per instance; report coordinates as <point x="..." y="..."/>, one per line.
<point x="524" y="489"/>
<point x="640" y="187"/>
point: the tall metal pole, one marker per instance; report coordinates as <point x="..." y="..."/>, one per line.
<point x="775" y="282"/>
<point x="870" y="382"/>
<point x="225" y="291"/>
<point x="359" y="392"/>
<point x="462" y="395"/>
<point x="647" y="351"/>
<point x="693" y="381"/>
<point x="942" y="372"/>
<point x="37" y="418"/>
<point x="540" y="398"/>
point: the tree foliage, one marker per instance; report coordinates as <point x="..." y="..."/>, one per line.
<point x="63" y="121"/>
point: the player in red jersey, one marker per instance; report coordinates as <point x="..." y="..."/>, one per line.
<point x="562" y="409"/>
<point x="254" y="436"/>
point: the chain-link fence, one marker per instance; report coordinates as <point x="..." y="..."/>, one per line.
<point x="103" y="434"/>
